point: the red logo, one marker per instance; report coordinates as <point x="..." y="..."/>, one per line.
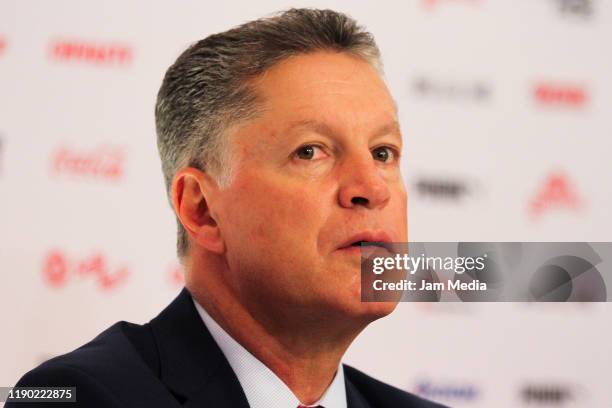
<point x="100" y="54"/>
<point x="104" y="162"/>
<point x="560" y="95"/>
<point x="58" y="269"/>
<point x="556" y="192"/>
<point x="430" y="4"/>
<point x="2" y="45"/>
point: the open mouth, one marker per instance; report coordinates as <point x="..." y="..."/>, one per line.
<point x="368" y="244"/>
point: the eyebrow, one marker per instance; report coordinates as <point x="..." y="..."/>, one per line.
<point x="324" y="129"/>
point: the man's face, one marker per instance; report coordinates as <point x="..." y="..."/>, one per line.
<point x="316" y="171"/>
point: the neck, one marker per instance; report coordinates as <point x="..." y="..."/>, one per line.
<point x="301" y="347"/>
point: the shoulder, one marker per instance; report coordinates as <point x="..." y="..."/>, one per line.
<point x="93" y="368"/>
<point x="380" y="394"/>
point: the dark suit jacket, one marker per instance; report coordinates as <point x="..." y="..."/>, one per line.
<point x="172" y="361"/>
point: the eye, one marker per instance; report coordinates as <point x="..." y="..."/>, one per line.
<point x="308" y="152"/>
<point x="383" y="154"/>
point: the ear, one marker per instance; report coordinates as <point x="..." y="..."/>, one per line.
<point x="192" y="193"/>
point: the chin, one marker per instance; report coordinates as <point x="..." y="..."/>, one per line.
<point x="367" y="312"/>
<point x="345" y="299"/>
<point x="376" y="310"/>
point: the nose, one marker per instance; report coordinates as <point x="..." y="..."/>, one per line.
<point x="363" y="185"/>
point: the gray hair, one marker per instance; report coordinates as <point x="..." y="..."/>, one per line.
<point x="206" y="90"/>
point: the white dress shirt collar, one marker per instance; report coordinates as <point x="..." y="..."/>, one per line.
<point x="261" y="386"/>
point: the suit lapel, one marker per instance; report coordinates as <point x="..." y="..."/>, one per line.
<point x="354" y="399"/>
<point x="191" y="363"/>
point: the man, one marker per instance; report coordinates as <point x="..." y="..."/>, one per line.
<point x="280" y="148"/>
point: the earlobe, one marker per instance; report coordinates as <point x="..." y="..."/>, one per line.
<point x="210" y="238"/>
<point x="192" y="192"/>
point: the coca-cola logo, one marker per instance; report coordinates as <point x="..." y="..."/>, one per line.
<point x="111" y="54"/>
<point x="550" y="94"/>
<point x="104" y="162"/>
<point x="59" y="268"/>
<point x="555" y="192"/>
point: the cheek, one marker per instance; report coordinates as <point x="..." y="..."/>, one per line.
<point x="403" y="200"/>
<point x="275" y="211"/>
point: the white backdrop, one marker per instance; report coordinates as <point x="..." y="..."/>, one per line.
<point x="506" y="111"/>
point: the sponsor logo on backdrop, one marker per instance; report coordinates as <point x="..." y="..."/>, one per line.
<point x="444" y="189"/>
<point x="447" y="392"/>
<point x="102" y="54"/>
<point x="460" y="91"/>
<point x="556" y="192"/>
<point x="59" y="269"/>
<point x="546" y="395"/>
<point x="2" y="45"/>
<point x="102" y="162"/>
<point x="560" y="95"/>
<point x="581" y="8"/>
<point x="429" y="4"/>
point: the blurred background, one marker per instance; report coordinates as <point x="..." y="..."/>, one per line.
<point x="505" y="107"/>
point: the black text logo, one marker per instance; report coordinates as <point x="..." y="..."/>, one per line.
<point x="442" y="189"/>
<point x="546" y="395"/>
<point x="477" y="91"/>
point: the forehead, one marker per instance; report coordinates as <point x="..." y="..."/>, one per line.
<point x="313" y="74"/>
<point x="340" y="91"/>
